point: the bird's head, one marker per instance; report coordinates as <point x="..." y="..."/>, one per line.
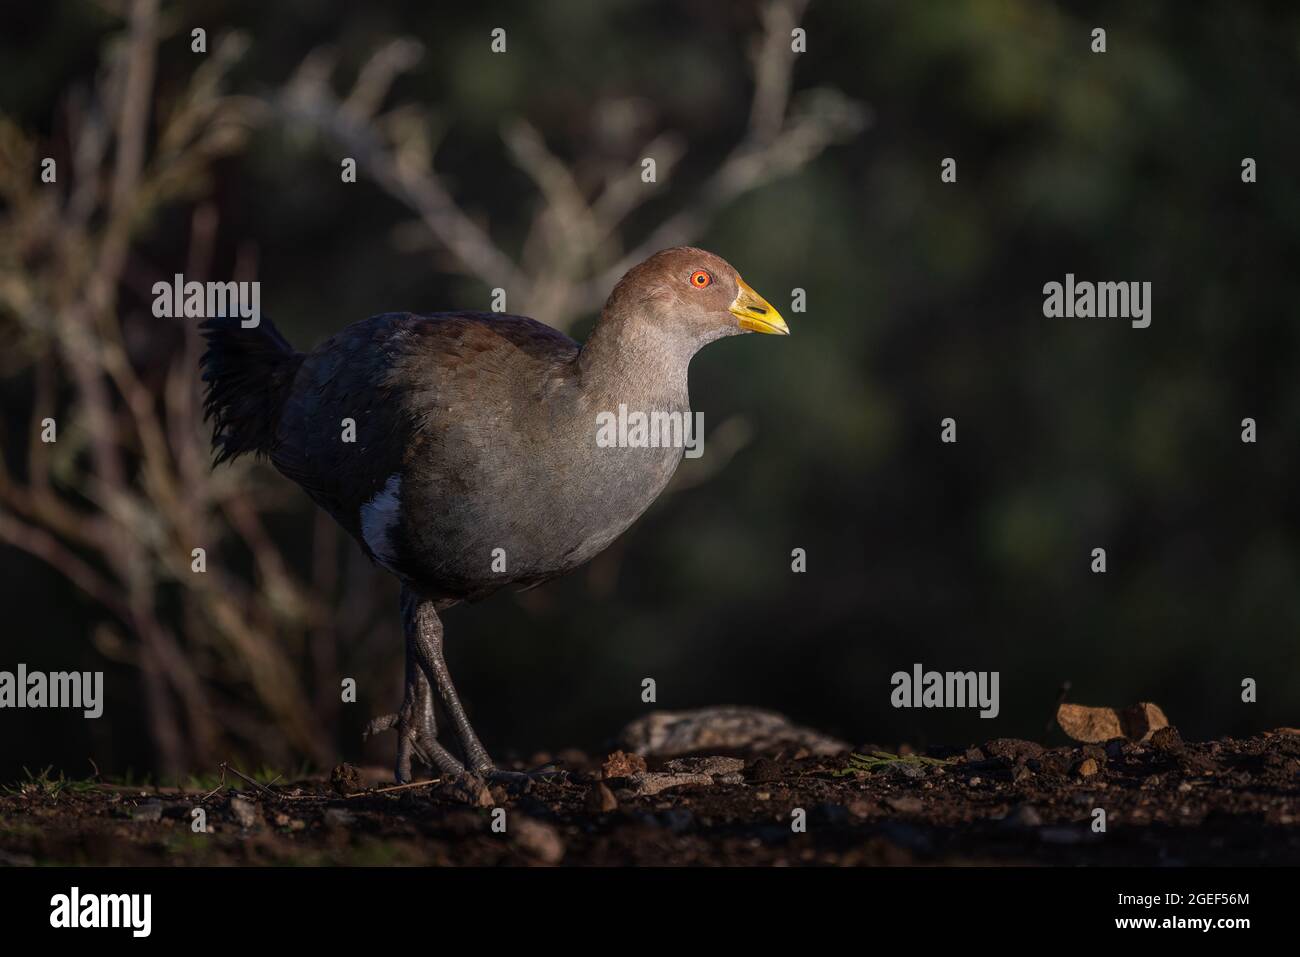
<point x="697" y="295"/>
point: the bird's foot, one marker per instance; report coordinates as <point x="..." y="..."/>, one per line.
<point x="522" y="781"/>
<point x="416" y="741"/>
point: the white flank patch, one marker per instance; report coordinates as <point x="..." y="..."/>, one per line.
<point x="379" y="517"/>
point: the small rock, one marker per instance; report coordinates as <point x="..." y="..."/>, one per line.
<point x="1095" y="725"/>
<point x="1168" y="740"/>
<point x="706" y="765"/>
<point x="1094" y="751"/>
<point x="652" y="782"/>
<point x="1052" y="762"/>
<point x="346" y="779"/>
<point x="1012" y="749"/>
<point x="974" y="755"/>
<point x="905" y="804"/>
<point x="600" y="799"/>
<point x="727" y="728"/>
<point x="620" y="764"/>
<point x="1088" y="767"/>
<point x="148" y="812"/>
<point x="244" y="810"/>
<point x="1143" y="720"/>
<point x="902" y="769"/>
<point x="464" y="789"/>
<point x="537" y="838"/>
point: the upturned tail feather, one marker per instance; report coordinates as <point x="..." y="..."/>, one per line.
<point x="249" y="373"/>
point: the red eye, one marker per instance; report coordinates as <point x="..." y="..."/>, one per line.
<point x="700" y="279"/>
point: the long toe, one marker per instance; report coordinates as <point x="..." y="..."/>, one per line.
<point x="522" y="781"/>
<point x="415" y="739"/>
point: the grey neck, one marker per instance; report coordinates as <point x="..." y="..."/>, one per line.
<point x="639" y="362"/>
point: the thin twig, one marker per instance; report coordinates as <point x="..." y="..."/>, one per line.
<point x="244" y="777"/>
<point x="395" y="787"/>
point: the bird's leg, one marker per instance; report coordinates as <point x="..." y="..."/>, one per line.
<point x="416" y="724"/>
<point x="417" y="727"/>
<point x="428" y="647"/>
<point x="428" y="641"/>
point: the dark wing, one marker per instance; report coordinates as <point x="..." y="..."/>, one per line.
<point x="404" y="380"/>
<point x="340" y="394"/>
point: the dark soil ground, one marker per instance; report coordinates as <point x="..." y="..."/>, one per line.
<point x="1230" y="801"/>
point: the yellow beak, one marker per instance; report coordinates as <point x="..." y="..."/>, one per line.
<point x="756" y="313"/>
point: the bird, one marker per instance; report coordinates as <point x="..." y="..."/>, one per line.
<point x="473" y="462"/>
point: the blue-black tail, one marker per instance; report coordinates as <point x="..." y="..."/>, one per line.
<point x="249" y="373"/>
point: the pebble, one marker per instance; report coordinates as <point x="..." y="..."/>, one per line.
<point x="600" y="799"/>
<point x="708" y="765"/>
<point x="652" y="782"/>
<point x="621" y="764"/>
<point x="1011" y="749"/>
<point x="244" y="811"/>
<point x="346" y="779"/>
<point x="464" y="789"/>
<point x="537" y="838"/>
<point x="905" y="804"/>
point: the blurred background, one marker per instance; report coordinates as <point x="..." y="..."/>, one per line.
<point x="522" y="170"/>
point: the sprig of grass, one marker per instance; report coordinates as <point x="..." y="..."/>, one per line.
<point x="877" y="760"/>
<point x="46" y="784"/>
